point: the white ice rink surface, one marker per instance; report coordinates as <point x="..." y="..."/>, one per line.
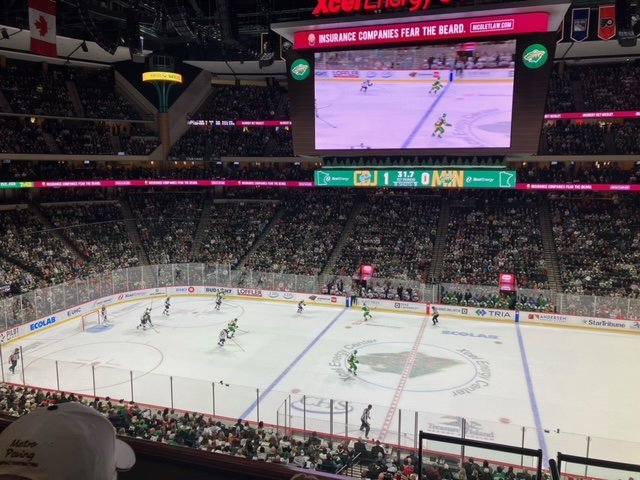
<point x="396" y="114"/>
<point x="497" y="375"/>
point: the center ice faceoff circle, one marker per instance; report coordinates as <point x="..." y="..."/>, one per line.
<point x="433" y="369"/>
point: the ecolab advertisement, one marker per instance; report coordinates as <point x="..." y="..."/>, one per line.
<point x="160" y="293"/>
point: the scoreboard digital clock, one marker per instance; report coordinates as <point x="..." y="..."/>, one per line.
<point x="416" y="178"/>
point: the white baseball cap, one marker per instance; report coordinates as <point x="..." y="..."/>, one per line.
<point x="69" y="441"/>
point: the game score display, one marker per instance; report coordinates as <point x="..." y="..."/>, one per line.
<point x="423" y="178"/>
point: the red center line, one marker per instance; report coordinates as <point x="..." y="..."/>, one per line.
<point x="408" y="366"/>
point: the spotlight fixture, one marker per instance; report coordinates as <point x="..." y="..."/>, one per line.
<point x="84" y="47"/>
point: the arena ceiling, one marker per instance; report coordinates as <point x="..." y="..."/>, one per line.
<point x="199" y="31"/>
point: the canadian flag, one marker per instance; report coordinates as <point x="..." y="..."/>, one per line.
<point x="42" y="22"/>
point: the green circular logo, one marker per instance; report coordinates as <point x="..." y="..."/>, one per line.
<point x="300" y="69"/>
<point x="535" y="56"/>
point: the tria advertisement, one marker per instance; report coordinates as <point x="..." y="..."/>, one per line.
<point x="417" y="32"/>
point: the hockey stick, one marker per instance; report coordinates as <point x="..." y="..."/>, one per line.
<point x="237" y="344"/>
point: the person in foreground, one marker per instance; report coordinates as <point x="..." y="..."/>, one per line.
<point x="69" y="441"/>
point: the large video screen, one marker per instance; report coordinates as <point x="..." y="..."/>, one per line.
<point x="454" y="96"/>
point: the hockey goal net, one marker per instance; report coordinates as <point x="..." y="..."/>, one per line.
<point x="90" y="319"/>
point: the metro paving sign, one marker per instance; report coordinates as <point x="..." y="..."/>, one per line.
<point x="337" y="7"/>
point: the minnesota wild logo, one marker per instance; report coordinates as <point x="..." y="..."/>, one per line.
<point x="300" y="69"/>
<point x="432" y="368"/>
<point x="535" y="56"/>
<point x="395" y="363"/>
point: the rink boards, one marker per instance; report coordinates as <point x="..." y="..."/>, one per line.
<point x="335" y="301"/>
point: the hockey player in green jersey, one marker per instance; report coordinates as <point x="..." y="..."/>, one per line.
<point x="365" y="312"/>
<point x="437" y="86"/>
<point x="232" y="327"/>
<point x="352" y="362"/>
<point x="440" y="124"/>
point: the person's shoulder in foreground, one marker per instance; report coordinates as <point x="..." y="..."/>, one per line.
<point x="69" y="441"/>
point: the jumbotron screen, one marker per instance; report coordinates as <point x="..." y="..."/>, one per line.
<point x="469" y="96"/>
<point x="450" y="96"/>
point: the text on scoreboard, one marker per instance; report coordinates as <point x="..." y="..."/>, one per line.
<point x="423" y="178"/>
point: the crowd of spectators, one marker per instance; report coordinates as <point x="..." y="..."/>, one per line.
<point x="18" y="135"/>
<point x="560" y="96"/>
<point x="28" y="89"/>
<point x="194" y="144"/>
<point x="12" y="274"/>
<point x="303" y="239"/>
<point x="562" y="172"/>
<point x="282" y="141"/>
<point x="234" y="227"/>
<point x="208" y="434"/>
<point x="626" y="137"/>
<point x="138" y="145"/>
<point x="240" y="102"/>
<point x="209" y="143"/>
<point x="608" y="87"/>
<point x="494" y="232"/>
<point x="167" y="224"/>
<point x="97" y="231"/>
<point x="479" y="296"/>
<point x="81" y="138"/>
<point x="594" y="88"/>
<point x="395" y="232"/>
<point x="565" y="138"/>
<point x="489" y="232"/>
<point x="231" y="103"/>
<point x="259" y="442"/>
<point x="26" y="243"/>
<point x="99" y="98"/>
<point x="598" y="242"/>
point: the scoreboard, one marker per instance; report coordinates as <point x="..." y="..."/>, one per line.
<point x="416" y="178"/>
<point x="385" y="85"/>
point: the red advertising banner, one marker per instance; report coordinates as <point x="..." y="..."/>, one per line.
<point x="595" y="187"/>
<point x="240" y="123"/>
<point x="578" y="115"/>
<point x="507" y="282"/>
<point x="170" y="183"/>
<point x="422" y="31"/>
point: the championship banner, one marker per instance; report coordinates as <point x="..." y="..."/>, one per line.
<point x="606" y="22"/>
<point x="579" y="24"/>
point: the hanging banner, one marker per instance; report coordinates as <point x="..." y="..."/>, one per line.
<point x="579" y="24"/>
<point x="606" y="22"/>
